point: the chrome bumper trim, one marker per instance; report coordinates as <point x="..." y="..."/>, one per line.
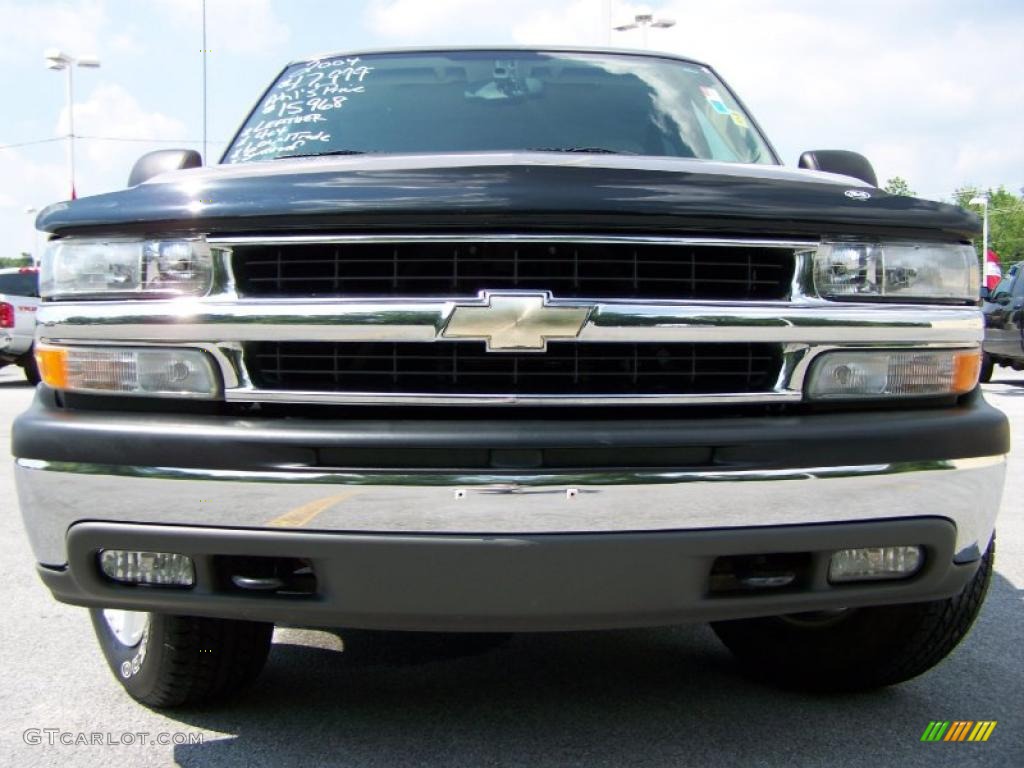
<point x="189" y="321"/>
<point x="56" y="495"/>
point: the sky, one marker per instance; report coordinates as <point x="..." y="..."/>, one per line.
<point x="930" y="90"/>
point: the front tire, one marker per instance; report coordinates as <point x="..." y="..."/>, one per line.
<point x="169" y="661"/>
<point x="987" y="367"/>
<point x="30" y="369"/>
<point x="857" y="649"/>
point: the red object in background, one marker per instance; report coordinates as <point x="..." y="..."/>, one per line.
<point x="993" y="272"/>
<point x="6" y="315"/>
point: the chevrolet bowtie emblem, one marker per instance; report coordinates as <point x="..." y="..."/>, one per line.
<point x="515" y="322"/>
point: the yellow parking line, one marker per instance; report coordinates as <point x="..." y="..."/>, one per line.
<point x="305" y="514"/>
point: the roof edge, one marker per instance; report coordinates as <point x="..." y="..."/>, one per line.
<point x="502" y="47"/>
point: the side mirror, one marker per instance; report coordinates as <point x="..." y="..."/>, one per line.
<point x="839" y="161"/>
<point x="985" y="293"/>
<point x="161" y="161"/>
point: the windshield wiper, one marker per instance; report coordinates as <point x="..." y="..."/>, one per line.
<point x="323" y="154"/>
<point x="589" y="150"/>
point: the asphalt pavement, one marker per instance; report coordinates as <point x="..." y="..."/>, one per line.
<point x="659" y="697"/>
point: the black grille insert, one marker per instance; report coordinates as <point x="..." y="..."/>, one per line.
<point x="566" y="368"/>
<point x="596" y="270"/>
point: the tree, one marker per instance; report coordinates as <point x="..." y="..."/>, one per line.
<point x="25" y="260"/>
<point x="1005" y="221"/>
<point x="897" y="185"/>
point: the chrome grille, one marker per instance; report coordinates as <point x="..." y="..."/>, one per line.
<point x="639" y="270"/>
<point x="466" y="368"/>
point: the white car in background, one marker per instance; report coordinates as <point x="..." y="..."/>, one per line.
<point x="19" y="299"/>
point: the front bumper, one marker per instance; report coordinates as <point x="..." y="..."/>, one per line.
<point x="573" y="544"/>
<point x="372" y="476"/>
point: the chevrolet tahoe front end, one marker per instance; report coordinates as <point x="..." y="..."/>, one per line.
<point x="471" y="381"/>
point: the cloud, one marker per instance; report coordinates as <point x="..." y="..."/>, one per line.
<point x="28" y="28"/>
<point x="420" y="20"/>
<point x="101" y="166"/>
<point x="127" y="43"/>
<point x="38" y="184"/>
<point x="583" y="22"/>
<point x="233" y="26"/>
<point x="111" y="111"/>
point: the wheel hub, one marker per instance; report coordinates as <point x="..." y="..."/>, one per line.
<point x="128" y="626"/>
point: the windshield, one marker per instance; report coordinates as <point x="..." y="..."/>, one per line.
<point x="20" y="283"/>
<point x="499" y="100"/>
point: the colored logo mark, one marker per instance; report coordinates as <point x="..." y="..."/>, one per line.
<point x="959" y="730"/>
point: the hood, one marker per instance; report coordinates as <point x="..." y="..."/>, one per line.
<point x="496" y="191"/>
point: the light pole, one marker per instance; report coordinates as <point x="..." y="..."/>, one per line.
<point x="643" y="21"/>
<point x="982" y="200"/>
<point x="58" y="60"/>
<point x="205" y="158"/>
<point x="31" y="211"/>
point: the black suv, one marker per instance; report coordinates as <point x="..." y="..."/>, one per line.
<point x="510" y="340"/>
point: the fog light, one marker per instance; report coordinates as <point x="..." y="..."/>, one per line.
<point x="859" y="374"/>
<point x="164" y="568"/>
<point x="872" y="563"/>
<point x="147" y="372"/>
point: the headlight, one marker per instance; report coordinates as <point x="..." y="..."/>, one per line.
<point x="117" y="267"/>
<point x="883" y="374"/>
<point x="927" y="272"/>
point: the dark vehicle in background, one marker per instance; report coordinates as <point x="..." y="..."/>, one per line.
<point x="1004" y="323"/>
<point x="511" y="340"/>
